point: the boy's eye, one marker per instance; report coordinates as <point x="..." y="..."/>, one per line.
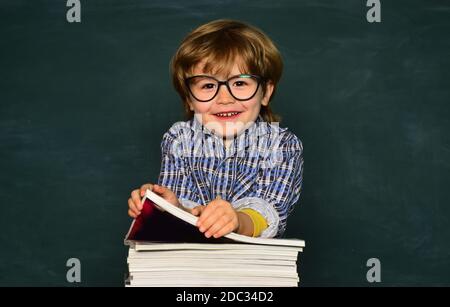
<point x="239" y="83"/>
<point x="208" y="86"/>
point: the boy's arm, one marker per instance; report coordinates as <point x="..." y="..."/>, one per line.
<point x="278" y="188"/>
<point x="253" y="222"/>
<point x="173" y="173"/>
<point x="246" y="226"/>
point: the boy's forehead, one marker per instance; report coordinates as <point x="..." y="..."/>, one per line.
<point x="211" y="66"/>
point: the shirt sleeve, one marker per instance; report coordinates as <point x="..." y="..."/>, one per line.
<point x="259" y="222"/>
<point x="174" y="174"/>
<point x="278" y="186"/>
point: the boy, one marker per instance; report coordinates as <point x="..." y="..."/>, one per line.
<point x="230" y="164"/>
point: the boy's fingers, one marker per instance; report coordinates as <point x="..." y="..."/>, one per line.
<point x="223" y="225"/>
<point x="131" y="213"/>
<point x="163" y="191"/>
<point x="144" y="187"/>
<point x="136" y="199"/>
<point x="135" y="195"/>
<point x="208" y="210"/>
<point x="197" y="210"/>
<point x="215" y="227"/>
<point x="132" y="207"/>
<point x="158" y="189"/>
<point x="167" y="194"/>
<point x="210" y="221"/>
<point x="224" y="230"/>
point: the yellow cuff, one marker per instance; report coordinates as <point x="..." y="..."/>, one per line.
<point x="259" y="222"/>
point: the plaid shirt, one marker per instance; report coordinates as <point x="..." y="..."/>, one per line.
<point x="261" y="169"/>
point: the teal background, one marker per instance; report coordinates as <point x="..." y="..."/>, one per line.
<point x="83" y="108"/>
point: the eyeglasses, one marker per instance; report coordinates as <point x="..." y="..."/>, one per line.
<point x="242" y="87"/>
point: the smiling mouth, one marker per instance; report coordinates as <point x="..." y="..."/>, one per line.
<point x="226" y="115"/>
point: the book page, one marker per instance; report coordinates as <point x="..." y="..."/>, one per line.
<point x="192" y="220"/>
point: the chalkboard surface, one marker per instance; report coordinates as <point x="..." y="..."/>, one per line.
<point x="83" y="107"/>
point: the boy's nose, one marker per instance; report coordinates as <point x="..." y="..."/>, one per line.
<point x="224" y="96"/>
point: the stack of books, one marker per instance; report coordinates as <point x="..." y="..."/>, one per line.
<point x="167" y="250"/>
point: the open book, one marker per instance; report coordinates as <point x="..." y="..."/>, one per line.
<point x="161" y="221"/>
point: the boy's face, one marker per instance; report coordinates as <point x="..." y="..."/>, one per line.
<point x="215" y="114"/>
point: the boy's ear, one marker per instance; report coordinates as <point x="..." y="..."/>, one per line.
<point x="268" y="94"/>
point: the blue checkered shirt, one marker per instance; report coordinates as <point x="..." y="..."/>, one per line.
<point x="261" y="169"/>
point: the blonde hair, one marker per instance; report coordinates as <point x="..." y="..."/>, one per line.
<point x="219" y="43"/>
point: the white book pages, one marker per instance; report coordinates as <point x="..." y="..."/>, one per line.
<point x="191" y="219"/>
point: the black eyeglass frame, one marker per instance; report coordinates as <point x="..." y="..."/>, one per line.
<point x="259" y="80"/>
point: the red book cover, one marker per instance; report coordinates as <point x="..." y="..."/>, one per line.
<point x="161" y="221"/>
<point x="154" y="225"/>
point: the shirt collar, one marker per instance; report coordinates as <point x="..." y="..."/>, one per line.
<point x="257" y="126"/>
<point x="245" y="139"/>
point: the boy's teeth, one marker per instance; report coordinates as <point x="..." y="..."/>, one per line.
<point x="227" y="114"/>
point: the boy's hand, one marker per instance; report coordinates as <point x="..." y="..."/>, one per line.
<point x="217" y="219"/>
<point x="135" y="201"/>
<point x="197" y="211"/>
<point x="167" y="194"/>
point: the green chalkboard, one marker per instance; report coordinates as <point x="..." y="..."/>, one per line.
<point x="83" y="107"/>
